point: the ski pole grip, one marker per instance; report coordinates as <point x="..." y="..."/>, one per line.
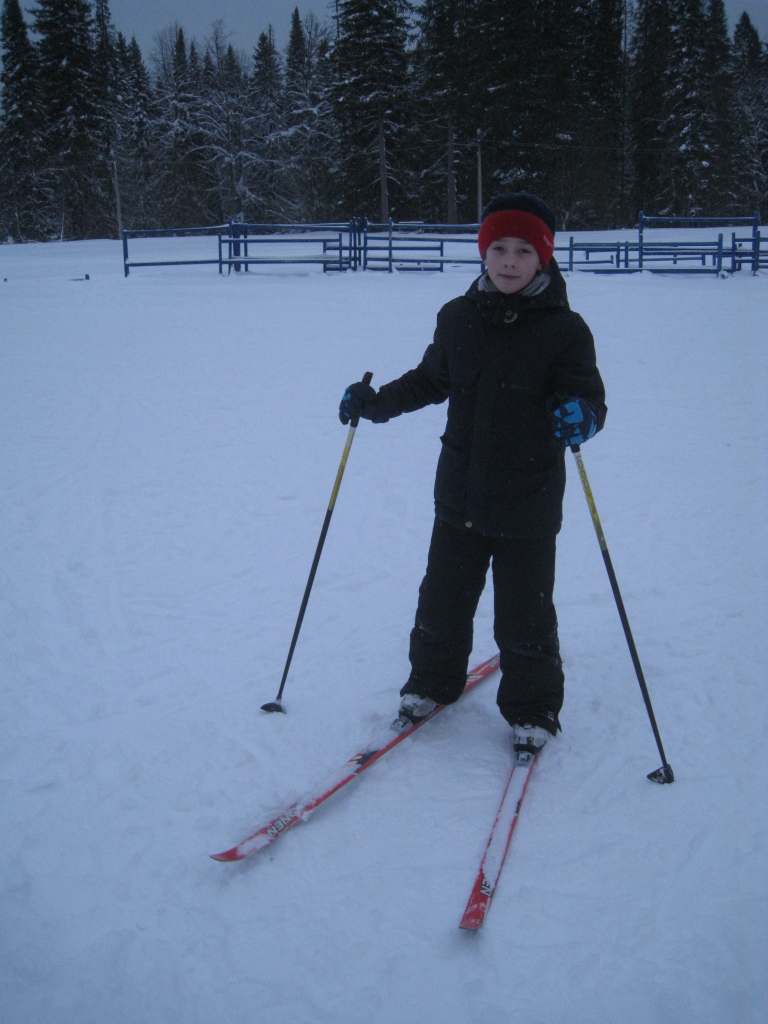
<point x="367" y="378"/>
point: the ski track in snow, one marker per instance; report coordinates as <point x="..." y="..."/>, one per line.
<point x="168" y="445"/>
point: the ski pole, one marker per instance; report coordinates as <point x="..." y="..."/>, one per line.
<point x="665" y="773"/>
<point x="276" y="704"/>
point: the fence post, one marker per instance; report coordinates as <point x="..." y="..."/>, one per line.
<point x="125" y="252"/>
<point x="570" y="254"/>
<point x="719" y="254"/>
<point x="756" y="253"/>
<point x="640" y="227"/>
<point x="234" y="247"/>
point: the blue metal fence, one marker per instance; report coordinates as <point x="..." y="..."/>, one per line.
<point x="416" y="246"/>
<point x="164" y="233"/>
<point x="409" y="246"/>
<point x="242" y="245"/>
<point x="333" y="246"/>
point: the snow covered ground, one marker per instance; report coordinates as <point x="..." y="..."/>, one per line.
<point x="168" y="444"/>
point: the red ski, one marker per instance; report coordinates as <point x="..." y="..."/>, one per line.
<point x="496" y="851"/>
<point x="355" y="766"/>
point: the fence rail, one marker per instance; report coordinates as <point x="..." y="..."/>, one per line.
<point x="409" y="246"/>
<point x="333" y="246"/>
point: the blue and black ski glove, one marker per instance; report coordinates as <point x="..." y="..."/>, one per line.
<point x="361" y="400"/>
<point x="573" y="420"/>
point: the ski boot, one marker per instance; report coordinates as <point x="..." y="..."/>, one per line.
<point x="528" y="740"/>
<point x="413" y="709"/>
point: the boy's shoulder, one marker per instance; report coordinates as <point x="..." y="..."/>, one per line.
<point x="461" y="302"/>
<point x="458" y="314"/>
<point x="462" y="305"/>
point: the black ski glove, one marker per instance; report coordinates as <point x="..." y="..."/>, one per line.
<point x="361" y="400"/>
<point x="573" y="420"/>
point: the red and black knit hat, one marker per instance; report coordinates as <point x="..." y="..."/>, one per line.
<point x="519" y="215"/>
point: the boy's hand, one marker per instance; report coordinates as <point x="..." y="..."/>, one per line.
<point x="361" y="400"/>
<point x="573" y="420"/>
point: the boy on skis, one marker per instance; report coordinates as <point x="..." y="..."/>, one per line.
<point x="518" y="369"/>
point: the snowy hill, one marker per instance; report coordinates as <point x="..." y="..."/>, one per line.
<point x="168" y="444"/>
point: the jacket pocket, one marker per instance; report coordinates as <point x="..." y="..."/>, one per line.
<point x="451" y="477"/>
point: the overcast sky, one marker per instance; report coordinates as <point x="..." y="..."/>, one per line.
<point x="246" y="19"/>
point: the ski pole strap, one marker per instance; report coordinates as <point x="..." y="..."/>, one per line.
<point x="367" y="378"/>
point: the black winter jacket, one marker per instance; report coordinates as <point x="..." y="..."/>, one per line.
<point x="498" y="359"/>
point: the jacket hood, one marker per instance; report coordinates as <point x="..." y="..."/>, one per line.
<point x="495" y="304"/>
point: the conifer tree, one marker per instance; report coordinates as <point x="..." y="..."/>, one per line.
<point x="506" y="82"/>
<point x="105" y="99"/>
<point x="104" y="59"/>
<point x="183" y="184"/>
<point x="536" y="77"/>
<point x="295" y="125"/>
<point x="721" y="104"/>
<point x="689" y="125"/>
<point x="650" y="63"/>
<point x="194" y="69"/>
<point x="308" y="149"/>
<point x="135" y="147"/>
<point x="24" y="211"/>
<point x="370" y="100"/>
<point x="295" y="63"/>
<point x="222" y="128"/>
<point x="747" y="47"/>
<point x="366" y="123"/>
<point x="267" y="129"/>
<point x="444" y="128"/>
<point x="70" y="102"/>
<point x="751" y="84"/>
<point x="267" y="82"/>
<point x="600" y="118"/>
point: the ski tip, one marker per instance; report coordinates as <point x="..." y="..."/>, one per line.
<point x="227" y="857"/>
<point x="662" y="775"/>
<point x="473" y="918"/>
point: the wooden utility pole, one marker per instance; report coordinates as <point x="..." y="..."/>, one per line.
<point x="383" y="173"/>
<point x="117" y="201"/>
<point x="451" y="177"/>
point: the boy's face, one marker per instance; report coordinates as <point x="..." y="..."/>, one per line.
<point x="512" y="263"/>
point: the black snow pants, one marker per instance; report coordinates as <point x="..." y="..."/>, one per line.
<point x="525" y="621"/>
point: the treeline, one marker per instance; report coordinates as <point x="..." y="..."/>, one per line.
<point x="605" y="107"/>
